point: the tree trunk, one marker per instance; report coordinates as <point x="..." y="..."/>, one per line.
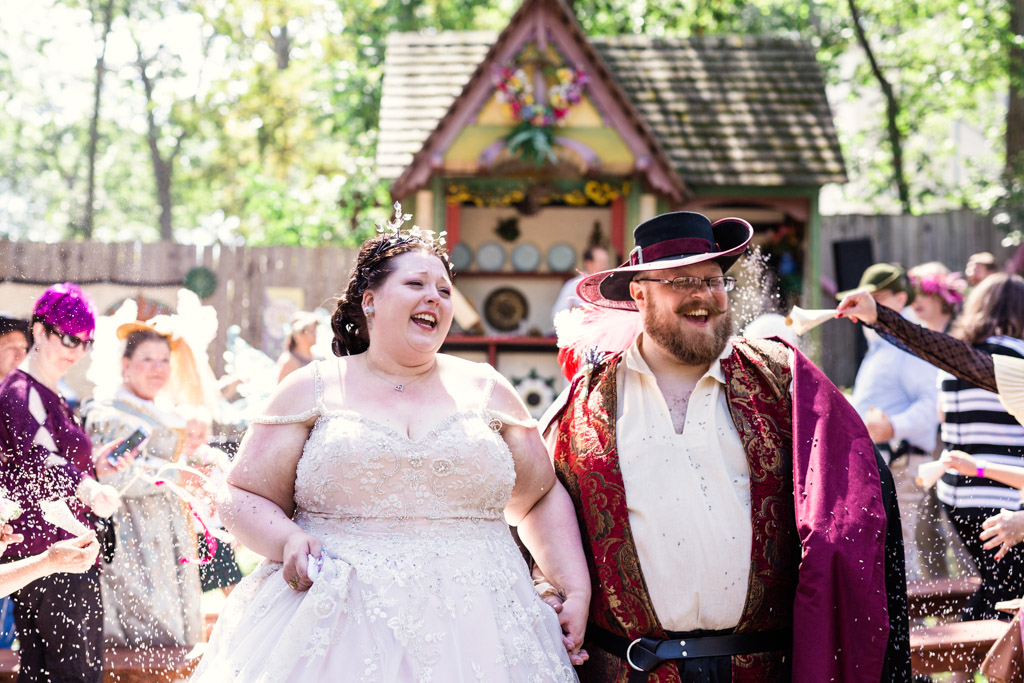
<point x="162" y="168"/>
<point x="282" y="46"/>
<point x="892" y="107"/>
<point x="1015" y="110"/>
<point x="94" y="125"/>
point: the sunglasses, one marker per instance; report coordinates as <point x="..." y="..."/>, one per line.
<point x="68" y="340"/>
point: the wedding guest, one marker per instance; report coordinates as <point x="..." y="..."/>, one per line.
<point x="980" y="266"/>
<point x="938" y="294"/>
<point x="301" y="338"/>
<point x="13" y="343"/>
<point x="595" y="259"/>
<point x="151" y="589"/>
<point x="220" y="568"/>
<point x="47" y="456"/>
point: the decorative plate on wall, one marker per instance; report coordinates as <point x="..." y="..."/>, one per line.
<point x="561" y="257"/>
<point x="505" y="308"/>
<point x="461" y="257"/>
<point x="537" y="392"/>
<point x="490" y="256"/>
<point x="526" y="257"/>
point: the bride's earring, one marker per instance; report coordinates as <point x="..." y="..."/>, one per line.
<point x="368" y="311"/>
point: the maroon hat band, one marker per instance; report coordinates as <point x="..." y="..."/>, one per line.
<point x="676" y="247"/>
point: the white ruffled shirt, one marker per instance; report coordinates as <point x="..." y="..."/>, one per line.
<point x="688" y="497"/>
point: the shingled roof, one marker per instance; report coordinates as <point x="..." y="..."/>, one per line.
<point x="423" y="74"/>
<point x="728" y="111"/>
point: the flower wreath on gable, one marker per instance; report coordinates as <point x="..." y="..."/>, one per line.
<point x="533" y="137"/>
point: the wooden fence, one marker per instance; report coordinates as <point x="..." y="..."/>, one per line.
<point x="244" y="273"/>
<point x="910" y="240"/>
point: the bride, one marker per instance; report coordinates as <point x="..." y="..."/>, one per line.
<point x="380" y="486"/>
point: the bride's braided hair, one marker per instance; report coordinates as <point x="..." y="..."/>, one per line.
<point x="373" y="266"/>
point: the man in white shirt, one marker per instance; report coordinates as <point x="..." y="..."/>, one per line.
<point x="595" y="259"/>
<point x="707" y="472"/>
<point x="896" y="393"/>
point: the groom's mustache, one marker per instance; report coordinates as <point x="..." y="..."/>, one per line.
<point x="710" y="306"/>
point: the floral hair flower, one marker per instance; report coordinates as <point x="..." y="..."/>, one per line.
<point x="950" y="288"/>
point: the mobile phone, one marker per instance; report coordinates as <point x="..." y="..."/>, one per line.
<point x="129" y="444"/>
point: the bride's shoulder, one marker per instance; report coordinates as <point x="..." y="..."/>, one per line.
<point x="296" y="394"/>
<point x="494" y="390"/>
<point x="466" y="372"/>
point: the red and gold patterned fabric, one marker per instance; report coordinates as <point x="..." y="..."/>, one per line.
<point x="586" y="461"/>
<point x="758" y="380"/>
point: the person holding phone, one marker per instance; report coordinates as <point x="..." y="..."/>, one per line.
<point x="151" y="588"/>
<point x="46" y="455"/>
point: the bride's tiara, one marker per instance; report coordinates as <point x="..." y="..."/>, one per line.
<point x="393" y="236"/>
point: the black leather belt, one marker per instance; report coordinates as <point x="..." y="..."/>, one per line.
<point x="645" y="654"/>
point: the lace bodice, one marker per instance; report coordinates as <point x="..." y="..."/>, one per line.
<point x="366" y="474"/>
<point x="356" y="468"/>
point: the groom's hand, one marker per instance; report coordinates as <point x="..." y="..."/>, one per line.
<point x="572" y="616"/>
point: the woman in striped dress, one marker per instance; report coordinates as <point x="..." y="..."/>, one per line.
<point x="975" y="422"/>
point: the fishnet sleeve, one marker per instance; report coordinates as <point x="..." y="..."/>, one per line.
<point x="941" y="350"/>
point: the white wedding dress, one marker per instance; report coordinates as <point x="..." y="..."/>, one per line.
<point x="421" y="578"/>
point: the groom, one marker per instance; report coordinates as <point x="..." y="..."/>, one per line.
<point x="737" y="524"/>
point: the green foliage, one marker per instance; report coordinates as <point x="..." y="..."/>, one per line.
<point x="266" y="111"/>
<point x="533" y="143"/>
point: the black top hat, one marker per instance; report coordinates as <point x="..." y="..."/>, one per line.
<point x="668" y="241"/>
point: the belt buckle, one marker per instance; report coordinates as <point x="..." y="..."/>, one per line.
<point x="629" y="659"/>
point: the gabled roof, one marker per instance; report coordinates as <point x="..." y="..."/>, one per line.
<point x="722" y="111"/>
<point x="542" y="22"/>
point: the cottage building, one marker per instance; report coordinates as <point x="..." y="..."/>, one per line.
<point x="528" y="145"/>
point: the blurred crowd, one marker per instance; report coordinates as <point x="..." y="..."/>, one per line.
<point x="110" y="529"/>
<point x="929" y="394"/>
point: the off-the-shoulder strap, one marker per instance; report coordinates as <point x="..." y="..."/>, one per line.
<point x="318" y="385"/>
<point x="497" y="418"/>
<point x="489" y="388"/>
<point x="318" y="409"/>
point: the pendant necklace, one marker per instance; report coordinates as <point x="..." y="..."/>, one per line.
<point x="401" y="386"/>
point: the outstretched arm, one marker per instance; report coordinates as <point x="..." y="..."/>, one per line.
<point x="73" y="556"/>
<point x="941" y="350"/>
<point x="968" y="465"/>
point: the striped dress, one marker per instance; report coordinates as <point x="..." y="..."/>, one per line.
<point x="976" y="423"/>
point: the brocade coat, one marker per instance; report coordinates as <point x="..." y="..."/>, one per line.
<point x="805" y="556"/>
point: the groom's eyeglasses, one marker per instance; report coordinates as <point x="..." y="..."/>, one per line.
<point x="69" y="341"/>
<point x="690" y="283"/>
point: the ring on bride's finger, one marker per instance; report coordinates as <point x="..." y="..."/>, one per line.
<point x="294" y="583"/>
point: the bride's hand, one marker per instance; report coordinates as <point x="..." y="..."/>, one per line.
<point x="296" y="551"/>
<point x="572" y="617"/>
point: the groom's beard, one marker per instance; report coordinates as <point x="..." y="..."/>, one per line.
<point x="688" y="344"/>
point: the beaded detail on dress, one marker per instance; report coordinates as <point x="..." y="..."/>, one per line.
<point x="422" y="580"/>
